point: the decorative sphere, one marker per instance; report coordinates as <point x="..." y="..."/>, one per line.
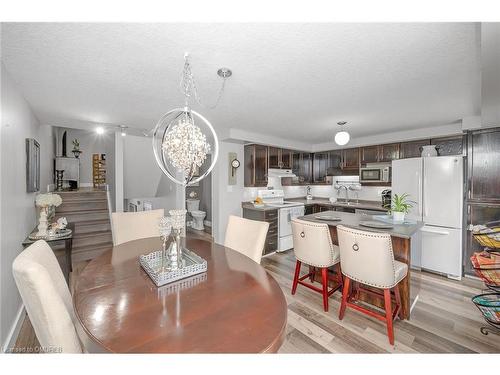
<point x="342" y="138"/>
<point x="182" y="140"/>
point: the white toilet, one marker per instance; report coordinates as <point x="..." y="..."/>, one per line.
<point x="193" y="207"/>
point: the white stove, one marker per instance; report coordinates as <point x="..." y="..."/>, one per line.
<point x="286" y="212"/>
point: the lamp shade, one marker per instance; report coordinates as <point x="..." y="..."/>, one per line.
<point x="342" y="138"/>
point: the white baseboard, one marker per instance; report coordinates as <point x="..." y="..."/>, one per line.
<point x="11" y="339"/>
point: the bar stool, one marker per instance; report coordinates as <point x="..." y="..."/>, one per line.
<point x="367" y="258"/>
<point x="312" y="245"/>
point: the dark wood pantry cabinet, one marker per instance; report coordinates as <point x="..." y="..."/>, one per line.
<point x="255" y="173"/>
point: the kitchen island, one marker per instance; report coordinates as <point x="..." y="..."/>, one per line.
<point x="405" y="239"/>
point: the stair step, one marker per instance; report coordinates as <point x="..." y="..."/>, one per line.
<point x="84" y="227"/>
<point x="79" y="216"/>
<point x="91" y="239"/>
<point x="82" y="205"/>
<point x="79" y="195"/>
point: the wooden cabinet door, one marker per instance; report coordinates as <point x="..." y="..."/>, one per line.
<point x="286" y="159"/>
<point x="260" y="165"/>
<point x="249" y="165"/>
<point x="274" y="157"/>
<point x="389" y="152"/>
<point x="319" y="166"/>
<point x="351" y="158"/>
<point x="369" y="154"/>
<point x="335" y="159"/>
<point x="306" y="167"/>
<point x="448" y="146"/>
<point x="412" y="149"/>
<point x="484" y="166"/>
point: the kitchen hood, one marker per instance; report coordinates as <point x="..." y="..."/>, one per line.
<point x="275" y="172"/>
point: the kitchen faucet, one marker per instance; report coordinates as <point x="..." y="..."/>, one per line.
<point x="339" y="187"/>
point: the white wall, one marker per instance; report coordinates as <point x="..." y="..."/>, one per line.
<point x="226" y="198"/>
<point x="18" y="215"/>
<point x="490" y="64"/>
<point x="142" y="178"/>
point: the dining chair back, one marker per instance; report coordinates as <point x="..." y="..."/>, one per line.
<point x="47" y="299"/>
<point x="246" y="236"/>
<point x="129" y="226"/>
<point x="313" y="246"/>
<point x="366" y="258"/>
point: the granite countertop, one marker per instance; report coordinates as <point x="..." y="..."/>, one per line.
<point x="352" y="221"/>
<point x="363" y="204"/>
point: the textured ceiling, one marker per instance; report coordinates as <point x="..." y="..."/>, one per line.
<point x="289" y="80"/>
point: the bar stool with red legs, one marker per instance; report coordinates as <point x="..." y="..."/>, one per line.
<point x="312" y="245"/>
<point x="367" y="259"/>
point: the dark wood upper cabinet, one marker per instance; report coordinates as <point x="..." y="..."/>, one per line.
<point x="350" y="158"/>
<point x="388" y="152"/>
<point x="412" y="149"/>
<point x="484" y="166"/>
<point x="279" y="158"/>
<point x="369" y="154"/>
<point x="286" y="159"/>
<point x="274" y="157"/>
<point x="255" y="173"/>
<point x="320" y="164"/>
<point x="449" y="145"/>
<point x="302" y="166"/>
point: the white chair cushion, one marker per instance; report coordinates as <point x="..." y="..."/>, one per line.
<point x="129" y="226"/>
<point x="312" y="244"/>
<point x="246" y="236"/>
<point x="46" y="298"/>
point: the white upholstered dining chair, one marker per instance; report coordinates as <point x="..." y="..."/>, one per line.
<point x="367" y="258"/>
<point x="129" y="226"/>
<point x="312" y="245"/>
<point x="246" y="236"/>
<point x="47" y="299"/>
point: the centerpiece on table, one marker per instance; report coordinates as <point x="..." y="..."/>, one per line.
<point x="44" y="201"/>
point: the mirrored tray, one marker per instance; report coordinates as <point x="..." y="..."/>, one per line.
<point x="59" y="234"/>
<point x="192" y="264"/>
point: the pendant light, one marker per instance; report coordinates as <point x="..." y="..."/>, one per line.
<point x="342" y="137"/>
<point x="182" y="138"/>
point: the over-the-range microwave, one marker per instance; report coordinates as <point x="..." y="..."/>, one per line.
<point x="375" y="173"/>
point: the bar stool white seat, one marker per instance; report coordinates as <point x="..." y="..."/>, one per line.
<point x="367" y="258"/>
<point x="312" y="245"/>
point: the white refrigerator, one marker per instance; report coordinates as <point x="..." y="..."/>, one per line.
<point x="436" y="185"/>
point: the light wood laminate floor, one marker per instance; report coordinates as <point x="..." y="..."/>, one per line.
<point x="444" y="319"/>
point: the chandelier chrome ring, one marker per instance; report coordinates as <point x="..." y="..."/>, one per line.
<point x="159" y="155"/>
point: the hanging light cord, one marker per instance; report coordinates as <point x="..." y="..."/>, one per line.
<point x="188" y="86"/>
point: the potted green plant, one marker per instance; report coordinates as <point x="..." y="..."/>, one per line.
<point x="76" y="148"/>
<point x="400" y="206"/>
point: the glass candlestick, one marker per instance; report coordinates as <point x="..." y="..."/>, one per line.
<point x="178" y="223"/>
<point x="165" y="228"/>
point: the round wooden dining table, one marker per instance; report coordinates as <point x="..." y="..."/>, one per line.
<point x="234" y="307"/>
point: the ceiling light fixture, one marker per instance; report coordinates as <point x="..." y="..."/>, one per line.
<point x="180" y="145"/>
<point x="342" y="137"/>
<point x="99" y="130"/>
<point x="123" y="130"/>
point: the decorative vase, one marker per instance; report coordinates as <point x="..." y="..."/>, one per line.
<point x="178" y="226"/>
<point x="42" y="222"/>
<point x="398" y="216"/>
<point x="165" y="228"/>
<point x="428" y="151"/>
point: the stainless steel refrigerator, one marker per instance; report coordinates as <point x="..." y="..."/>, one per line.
<point x="436" y="185"/>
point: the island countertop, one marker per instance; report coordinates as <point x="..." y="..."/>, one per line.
<point x="362" y="204"/>
<point x="352" y="221"/>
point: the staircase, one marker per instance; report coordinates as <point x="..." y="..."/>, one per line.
<point x="88" y="210"/>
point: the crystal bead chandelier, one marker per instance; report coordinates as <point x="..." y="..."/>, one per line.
<point x="180" y="145"/>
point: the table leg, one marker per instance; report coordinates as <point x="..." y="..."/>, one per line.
<point x="68" y="249"/>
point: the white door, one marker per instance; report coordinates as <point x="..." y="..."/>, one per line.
<point x="407" y="178"/>
<point x="442" y="250"/>
<point x="443" y="191"/>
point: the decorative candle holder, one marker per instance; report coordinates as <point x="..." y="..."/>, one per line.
<point x="178" y="222"/>
<point x="165" y="228"/>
